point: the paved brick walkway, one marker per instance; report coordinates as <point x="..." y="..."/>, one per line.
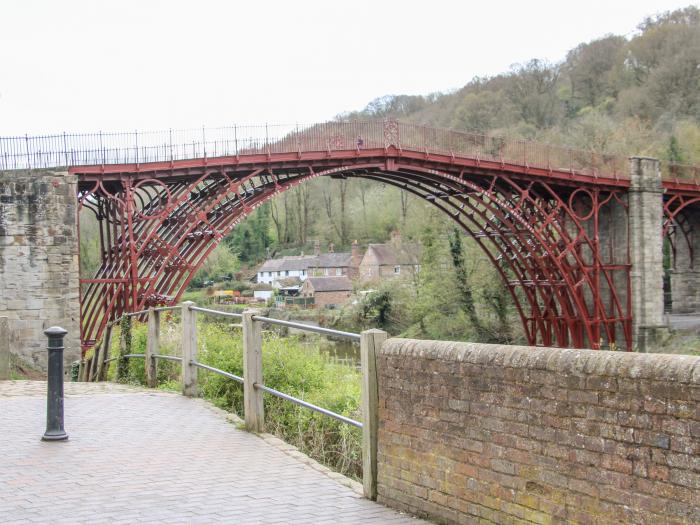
<point x="139" y="456"/>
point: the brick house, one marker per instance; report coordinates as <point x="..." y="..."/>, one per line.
<point x="327" y="291"/>
<point x="392" y="259"/>
<point x="334" y="264"/>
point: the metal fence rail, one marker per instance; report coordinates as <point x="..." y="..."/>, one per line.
<point x="308" y="405"/>
<point x="308" y="328"/>
<point x="50" y="151"/>
<point x="216" y="312"/>
<point x="218" y="371"/>
<point x="167" y="357"/>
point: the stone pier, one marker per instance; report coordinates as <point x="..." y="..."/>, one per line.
<point x="646" y="254"/>
<point x="39" y="261"/>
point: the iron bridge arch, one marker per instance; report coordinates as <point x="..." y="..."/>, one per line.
<point x="557" y="236"/>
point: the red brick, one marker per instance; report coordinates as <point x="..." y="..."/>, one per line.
<point x="566" y="444"/>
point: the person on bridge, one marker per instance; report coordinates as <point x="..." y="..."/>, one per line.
<point x="360" y="142"/>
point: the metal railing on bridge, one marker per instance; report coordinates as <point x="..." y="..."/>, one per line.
<point x="252" y="379"/>
<point x="135" y="148"/>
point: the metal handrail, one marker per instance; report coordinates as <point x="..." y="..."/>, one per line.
<point x="141" y="312"/>
<point x="167" y="308"/>
<point x="167" y="357"/>
<point x="123" y="357"/>
<point x="216" y="312"/>
<point x="306" y="404"/>
<point x="102" y="149"/>
<point x="134" y="314"/>
<point x="308" y="328"/>
<point x="217" y="371"/>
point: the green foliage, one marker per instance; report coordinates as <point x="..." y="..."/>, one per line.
<point x="251" y="238"/>
<point x="674" y="151"/>
<point x="222" y="262"/>
<point x="135" y="371"/>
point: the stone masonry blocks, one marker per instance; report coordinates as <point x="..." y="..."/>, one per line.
<point x="39" y="284"/>
<point x="646" y="253"/>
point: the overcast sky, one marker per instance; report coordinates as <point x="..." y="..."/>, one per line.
<point x="89" y="65"/>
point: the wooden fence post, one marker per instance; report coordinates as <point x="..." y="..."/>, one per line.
<point x="4" y="348"/>
<point x="104" y="354"/>
<point x="87" y="365"/>
<point x="253" y="407"/>
<point x="152" y="347"/>
<point x="94" y="363"/>
<point x="124" y="348"/>
<point x="370" y="342"/>
<point x="189" y="349"/>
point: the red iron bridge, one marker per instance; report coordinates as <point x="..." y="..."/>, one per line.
<point x="576" y="236"/>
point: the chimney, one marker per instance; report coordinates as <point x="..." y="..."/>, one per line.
<point x="355" y="259"/>
<point x="396" y="238"/>
<point x="317" y="247"/>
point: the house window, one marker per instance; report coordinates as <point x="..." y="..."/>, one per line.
<point x="303" y="272"/>
<point x="338" y="271"/>
<point x="286" y="273"/>
<point x="397" y="270"/>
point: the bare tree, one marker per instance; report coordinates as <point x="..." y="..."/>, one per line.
<point x="339" y="221"/>
<point x="403" y="195"/>
<point x="303" y="205"/>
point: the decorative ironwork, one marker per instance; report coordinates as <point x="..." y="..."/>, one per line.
<point x="552" y="221"/>
<point x="391" y="133"/>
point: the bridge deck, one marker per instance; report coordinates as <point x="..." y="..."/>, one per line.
<point x="143" y="456"/>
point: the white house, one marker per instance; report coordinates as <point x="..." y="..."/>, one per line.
<point x="290" y="266"/>
<point x="331" y="264"/>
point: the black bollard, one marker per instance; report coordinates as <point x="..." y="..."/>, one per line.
<point x="54" y="399"/>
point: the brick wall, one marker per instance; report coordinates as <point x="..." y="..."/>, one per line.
<point x="476" y="433"/>
<point x="322" y="299"/>
<point x="39" y="260"/>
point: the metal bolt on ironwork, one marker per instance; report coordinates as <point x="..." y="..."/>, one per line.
<point x="54" y="399"/>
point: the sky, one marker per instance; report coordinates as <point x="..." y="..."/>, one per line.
<point x="86" y="65"/>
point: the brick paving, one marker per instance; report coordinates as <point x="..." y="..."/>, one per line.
<point x="144" y="456"/>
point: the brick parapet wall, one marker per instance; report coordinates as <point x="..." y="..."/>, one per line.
<point x="39" y="260"/>
<point x="476" y="433"/>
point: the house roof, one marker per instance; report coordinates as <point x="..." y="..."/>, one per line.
<point x="333" y="260"/>
<point x="330" y="284"/>
<point x="391" y="255"/>
<point x="304" y="262"/>
<point x="286" y="282"/>
<point x="288" y="263"/>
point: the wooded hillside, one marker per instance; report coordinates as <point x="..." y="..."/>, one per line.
<point x="631" y="96"/>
